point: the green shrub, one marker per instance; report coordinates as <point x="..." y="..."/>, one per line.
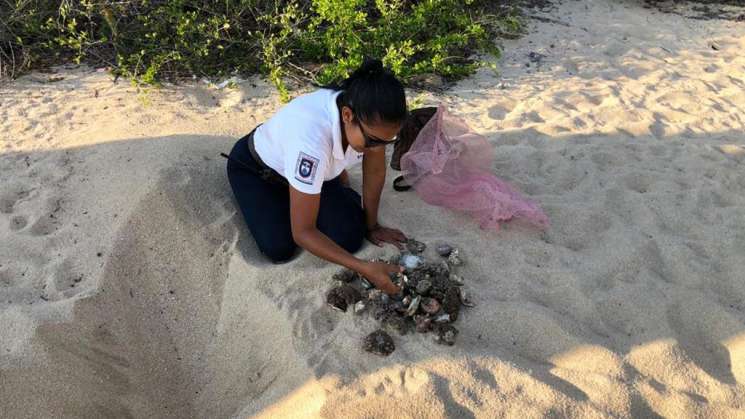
<point x="412" y="38"/>
<point x="312" y="40"/>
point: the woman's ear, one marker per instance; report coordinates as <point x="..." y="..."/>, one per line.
<point x="346" y="114"/>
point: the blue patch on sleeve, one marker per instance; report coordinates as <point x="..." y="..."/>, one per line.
<point x="305" y="168"/>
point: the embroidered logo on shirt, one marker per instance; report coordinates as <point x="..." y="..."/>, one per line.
<point x="305" y="168"/>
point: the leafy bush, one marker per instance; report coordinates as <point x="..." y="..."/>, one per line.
<point x="309" y="40"/>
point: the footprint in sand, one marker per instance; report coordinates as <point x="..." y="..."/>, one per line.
<point x="571" y="67"/>
<point x="11" y="196"/>
<point x="66" y="281"/>
<point x="536" y="256"/>
<point x="639" y="182"/>
<point x="532" y="116"/>
<point x="497" y="112"/>
<point x="18" y="223"/>
<point x="710" y="336"/>
<point x="7" y="278"/>
<point x="49" y="221"/>
<point x="6" y="206"/>
<point x="578" y="231"/>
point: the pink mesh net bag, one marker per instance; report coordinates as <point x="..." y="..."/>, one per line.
<point x="449" y="165"/>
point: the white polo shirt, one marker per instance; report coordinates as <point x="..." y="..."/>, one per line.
<point x="302" y="141"/>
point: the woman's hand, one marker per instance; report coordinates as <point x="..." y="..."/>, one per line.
<point x="379" y="235"/>
<point x="378" y="273"/>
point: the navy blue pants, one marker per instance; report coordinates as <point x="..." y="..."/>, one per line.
<point x="265" y="206"/>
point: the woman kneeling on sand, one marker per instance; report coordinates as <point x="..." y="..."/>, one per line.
<point x="290" y="180"/>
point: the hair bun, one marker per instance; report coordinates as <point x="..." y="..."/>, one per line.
<point x="370" y="67"/>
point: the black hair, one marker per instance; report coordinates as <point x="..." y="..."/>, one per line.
<point x="373" y="92"/>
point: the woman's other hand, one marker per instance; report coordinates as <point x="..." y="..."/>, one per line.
<point x="379" y="235"/>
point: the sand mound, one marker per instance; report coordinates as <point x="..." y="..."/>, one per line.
<point x="163" y="336"/>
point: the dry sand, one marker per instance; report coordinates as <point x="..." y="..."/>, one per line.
<point x="129" y="286"/>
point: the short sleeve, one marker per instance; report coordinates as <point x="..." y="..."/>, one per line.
<point x="305" y="169"/>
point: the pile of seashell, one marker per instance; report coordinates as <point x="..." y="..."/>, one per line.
<point x="430" y="299"/>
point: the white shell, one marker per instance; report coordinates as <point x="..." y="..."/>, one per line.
<point x="411" y="261"/>
<point x="374" y="294"/>
<point x="464" y="299"/>
<point x="458" y="280"/>
<point x="359" y="307"/>
<point x="413" y="306"/>
<point x="334" y="307"/>
<point x="454" y="258"/>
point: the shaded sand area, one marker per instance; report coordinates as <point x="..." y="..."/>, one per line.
<point x="129" y="286"/>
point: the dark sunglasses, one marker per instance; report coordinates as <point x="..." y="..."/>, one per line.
<point x="371" y="141"/>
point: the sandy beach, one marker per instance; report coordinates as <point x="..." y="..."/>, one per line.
<point x="130" y="286"/>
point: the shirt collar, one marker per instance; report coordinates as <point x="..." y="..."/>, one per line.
<point x="338" y="150"/>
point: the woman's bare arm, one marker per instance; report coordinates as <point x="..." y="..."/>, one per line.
<point x="303" y="214"/>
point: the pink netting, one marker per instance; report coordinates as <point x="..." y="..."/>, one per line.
<point x="450" y="165"/>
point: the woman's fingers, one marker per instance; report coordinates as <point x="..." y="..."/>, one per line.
<point x="392" y="289"/>
<point x="388" y="235"/>
<point x="394" y="241"/>
<point x="398" y="238"/>
<point x="397" y="234"/>
<point x="395" y="269"/>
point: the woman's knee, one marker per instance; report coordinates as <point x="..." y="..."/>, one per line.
<point x="353" y="244"/>
<point x="278" y="252"/>
<point x="350" y="236"/>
